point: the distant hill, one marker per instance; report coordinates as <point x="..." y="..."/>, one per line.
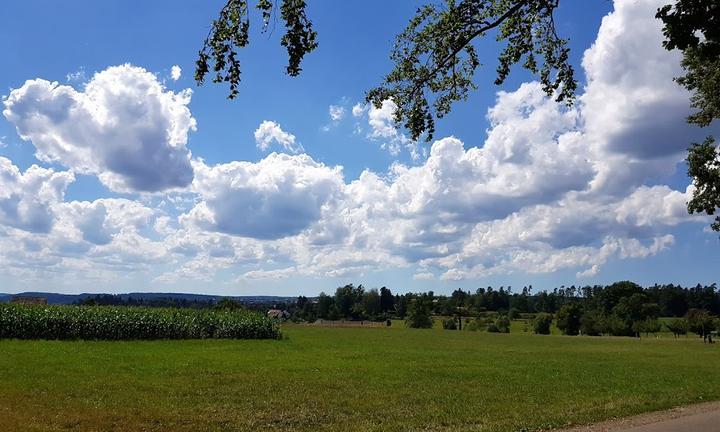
<point x="61" y="299"/>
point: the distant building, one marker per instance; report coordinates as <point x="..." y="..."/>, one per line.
<point x="29" y="300"/>
<point x="278" y="314"/>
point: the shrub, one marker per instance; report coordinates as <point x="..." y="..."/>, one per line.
<point x="129" y="323"/>
<point x="492" y="328"/>
<point x="632" y="315"/>
<point x="503" y="324"/>
<point x="475" y="325"/>
<point x="541" y="323"/>
<point x="615" y="326"/>
<point x="591" y="323"/>
<point x="700" y="322"/>
<point x="650" y="325"/>
<point x="419" y="313"/>
<point x="568" y="319"/>
<point x="678" y="326"/>
<point x="449" y="324"/>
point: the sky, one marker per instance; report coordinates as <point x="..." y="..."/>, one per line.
<point x="119" y="174"/>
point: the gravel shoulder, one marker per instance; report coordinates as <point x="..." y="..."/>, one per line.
<point x="704" y="417"/>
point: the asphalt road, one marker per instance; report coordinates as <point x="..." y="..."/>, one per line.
<point x="694" y="418"/>
<point x="701" y="422"/>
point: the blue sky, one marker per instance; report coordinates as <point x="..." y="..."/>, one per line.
<point x="142" y="185"/>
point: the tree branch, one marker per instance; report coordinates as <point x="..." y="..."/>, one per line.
<point x="488" y="26"/>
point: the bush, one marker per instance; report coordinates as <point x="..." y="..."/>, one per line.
<point x="419" y="313"/>
<point x="502" y="323"/>
<point x="129" y="323"/>
<point x="650" y="325"/>
<point x="492" y="328"/>
<point x="615" y="326"/>
<point x="678" y="326"/>
<point x="541" y="323"/>
<point x="591" y="323"/>
<point x="475" y="325"/>
<point x="568" y="319"/>
<point x="449" y="324"/>
<point x="700" y="322"/>
<point x="629" y="313"/>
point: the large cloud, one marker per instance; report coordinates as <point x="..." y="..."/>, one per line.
<point x="27" y="199"/>
<point x="570" y="233"/>
<point x="531" y="155"/>
<point x="276" y="197"/>
<point x="89" y="241"/>
<point x="100" y="220"/>
<point x="125" y="127"/>
<point x="633" y="112"/>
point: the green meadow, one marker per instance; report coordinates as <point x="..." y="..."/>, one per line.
<point x="348" y="379"/>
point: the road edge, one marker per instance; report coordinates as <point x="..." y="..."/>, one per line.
<point x="620" y="424"/>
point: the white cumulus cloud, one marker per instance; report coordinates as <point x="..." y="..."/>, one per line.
<point x="632" y="110"/>
<point x="270" y="132"/>
<point x="337" y="112"/>
<point x="279" y="196"/>
<point x="27" y="198"/>
<point x="382" y="128"/>
<point x="175" y="72"/>
<point x="125" y="127"/>
<point x="359" y="109"/>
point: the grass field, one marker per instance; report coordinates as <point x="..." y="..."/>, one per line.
<point x="324" y="379"/>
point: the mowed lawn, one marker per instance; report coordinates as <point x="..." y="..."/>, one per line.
<point x="326" y="379"/>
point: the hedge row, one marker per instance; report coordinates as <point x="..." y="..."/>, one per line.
<point x="130" y="323"/>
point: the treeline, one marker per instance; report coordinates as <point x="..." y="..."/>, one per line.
<point x="621" y="309"/>
<point x="160" y="302"/>
<point x="355" y="302"/>
<point x="673" y="300"/>
<point x="225" y="303"/>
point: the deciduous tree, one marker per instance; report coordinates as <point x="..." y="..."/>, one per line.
<point x="541" y="324"/>
<point x="678" y="326"/>
<point x="419" y="313"/>
<point x="436" y="59"/>
<point x="568" y="318"/>
<point x="693" y="27"/>
<point x="700" y="322"/>
<point x="435" y="56"/>
<point x="231" y="31"/>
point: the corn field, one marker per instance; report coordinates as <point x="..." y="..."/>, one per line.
<point x="131" y="323"/>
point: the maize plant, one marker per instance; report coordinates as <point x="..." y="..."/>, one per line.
<point x="129" y="323"/>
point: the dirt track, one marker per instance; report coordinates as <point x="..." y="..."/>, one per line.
<point x="695" y="418"/>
